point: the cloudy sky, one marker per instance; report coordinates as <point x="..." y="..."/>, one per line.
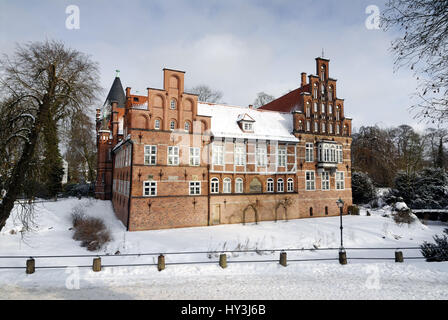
<point x="239" y="47"/>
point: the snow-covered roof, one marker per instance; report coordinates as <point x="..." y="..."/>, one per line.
<point x="269" y="125"/>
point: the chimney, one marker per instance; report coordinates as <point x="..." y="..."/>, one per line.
<point x="303" y="82"/>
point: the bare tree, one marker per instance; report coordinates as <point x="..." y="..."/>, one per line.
<point x="206" y="94"/>
<point x="422" y="47"/>
<point x="41" y="79"/>
<point x="262" y="99"/>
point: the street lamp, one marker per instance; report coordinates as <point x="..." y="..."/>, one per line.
<point x="340" y="204"/>
<point x="342" y="253"/>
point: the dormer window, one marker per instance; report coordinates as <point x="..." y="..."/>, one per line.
<point x="248" y="126"/>
<point x="246" y="122"/>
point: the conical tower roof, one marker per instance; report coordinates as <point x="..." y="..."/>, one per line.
<point x="116" y="94"/>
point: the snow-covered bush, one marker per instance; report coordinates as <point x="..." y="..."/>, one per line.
<point x="363" y="189"/>
<point x="402" y="214"/>
<point x="428" y="189"/>
<point x="437" y="251"/>
<point x="92" y="232"/>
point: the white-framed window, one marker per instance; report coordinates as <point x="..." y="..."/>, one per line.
<point x="330" y="93"/>
<point x="239" y="186"/>
<point x="290" y="185"/>
<point x="261" y="155"/>
<point x="282" y="157"/>
<point x="330" y="109"/>
<point x="195" y="188"/>
<point x="316" y="126"/>
<point x="157" y="124"/>
<point x="325" y="176"/>
<point x="309" y="152"/>
<point x="172" y="125"/>
<point x="227" y="185"/>
<point x="248" y="126"/>
<point x="214" y="185"/>
<point x="316" y="107"/>
<point x="315" y="90"/>
<point x="187" y="126"/>
<point x="323" y="108"/>
<point x="240" y="155"/>
<point x="173" y="104"/>
<point x="310" y="180"/>
<point x="149" y="188"/>
<point x="340" y="183"/>
<point x="173" y="156"/>
<point x="308" y="125"/>
<point x="150" y="155"/>
<point x="330" y="128"/>
<point x="339" y="153"/>
<point x="218" y="154"/>
<point x="337" y="129"/>
<point x="308" y="110"/>
<point x="280" y="185"/>
<point x="195" y="156"/>
<point x="270" y="185"/>
<point x="323" y="127"/>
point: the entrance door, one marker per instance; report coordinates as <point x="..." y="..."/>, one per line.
<point x="216" y="214"/>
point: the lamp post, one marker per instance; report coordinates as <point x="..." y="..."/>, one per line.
<point x="342" y="254"/>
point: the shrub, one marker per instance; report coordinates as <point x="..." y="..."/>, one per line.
<point x="437" y="251"/>
<point x="363" y="189"/>
<point x="92" y="232"/>
<point x="353" y="210"/>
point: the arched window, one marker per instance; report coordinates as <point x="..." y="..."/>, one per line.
<point x="214" y="185"/>
<point x="308" y="110"/>
<point x="330" y="109"/>
<point x="316" y="108"/>
<point x="323" y="127"/>
<point x="173" y="104"/>
<point x="330" y="93"/>
<point x="187" y="126"/>
<point x="157" y="124"/>
<point x="239" y="185"/>
<point x="172" y="125"/>
<point x="280" y="185"/>
<point x="316" y="126"/>
<point x="330" y="128"/>
<point x="308" y="125"/>
<point x="270" y="185"/>
<point x="322" y="72"/>
<point x="227" y="185"/>
<point x="290" y="185"/>
<point x="323" y="108"/>
<point x="315" y="90"/>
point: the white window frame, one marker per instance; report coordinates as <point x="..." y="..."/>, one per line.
<point x="310" y="180"/>
<point x="227" y="185"/>
<point x="248" y="126"/>
<point x="214" y="185"/>
<point x="172" y="125"/>
<point x="309" y="152"/>
<point x="173" y="156"/>
<point x="239" y="185"/>
<point x="240" y="155"/>
<point x="340" y="180"/>
<point x="150" y="155"/>
<point x="173" y="104"/>
<point x="157" y="124"/>
<point x="270" y="185"/>
<point x="194" y="188"/>
<point x="187" y="126"/>
<point x="195" y="156"/>
<point x="280" y="185"/>
<point x="325" y="180"/>
<point x="218" y="155"/>
<point x="261" y="155"/>
<point x="149" y="186"/>
<point x="282" y="155"/>
<point x="290" y="185"/>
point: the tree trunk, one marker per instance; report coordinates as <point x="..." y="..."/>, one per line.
<point x="15" y="183"/>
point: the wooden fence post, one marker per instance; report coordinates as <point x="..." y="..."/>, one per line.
<point x="223" y="260"/>
<point x="283" y="259"/>
<point x="30" y="266"/>
<point x="161" y="262"/>
<point x="96" y="267"/>
<point x="342" y="257"/>
<point x="398" y="256"/>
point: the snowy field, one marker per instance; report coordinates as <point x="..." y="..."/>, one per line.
<point x="359" y="279"/>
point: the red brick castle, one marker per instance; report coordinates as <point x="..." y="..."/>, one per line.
<point x="167" y="160"/>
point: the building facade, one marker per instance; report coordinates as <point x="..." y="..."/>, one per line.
<point x="166" y="160"/>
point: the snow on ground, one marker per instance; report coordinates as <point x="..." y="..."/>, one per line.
<point x="359" y="279"/>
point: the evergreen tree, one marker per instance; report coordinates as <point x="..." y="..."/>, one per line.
<point x="440" y="159"/>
